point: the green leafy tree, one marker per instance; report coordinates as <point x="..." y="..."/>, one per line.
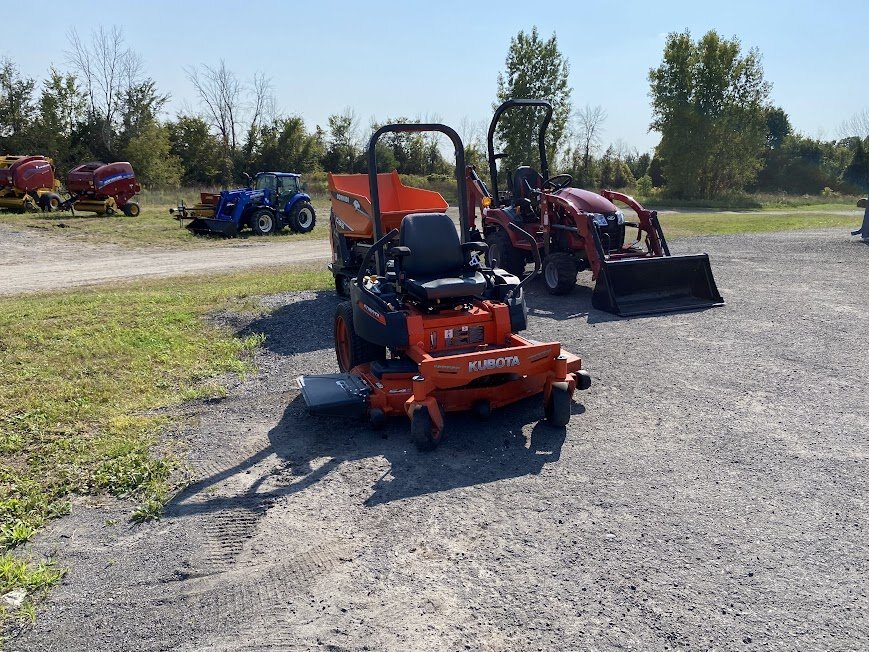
<point x="535" y="69"/>
<point x="285" y="145"/>
<point x="342" y="147"/>
<point x="149" y="152"/>
<point x="709" y="104"/>
<point x="857" y="172"/>
<point x="62" y="108"/>
<point x="17" y="109"/>
<point x="197" y="148"/>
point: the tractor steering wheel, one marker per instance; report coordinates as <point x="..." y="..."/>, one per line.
<point x="558" y="182"/>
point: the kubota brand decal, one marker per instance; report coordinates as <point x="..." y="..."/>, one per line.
<point x="357" y="206"/>
<point x="494" y="363"/>
<point x="372" y="312"/>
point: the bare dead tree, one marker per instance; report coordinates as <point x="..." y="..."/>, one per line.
<point x="589" y="122"/>
<point x="856" y="125"/>
<point x="107" y="68"/>
<point x="263" y="100"/>
<point x="220" y="93"/>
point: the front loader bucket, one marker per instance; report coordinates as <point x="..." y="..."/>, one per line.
<point x="206" y="226"/>
<point x="643" y="286"/>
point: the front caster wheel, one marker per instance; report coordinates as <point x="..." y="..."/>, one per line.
<point x="557" y="408"/>
<point x="423" y="431"/>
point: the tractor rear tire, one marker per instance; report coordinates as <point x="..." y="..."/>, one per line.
<point x="503" y="254"/>
<point x="559" y="272"/>
<point x="131" y="209"/>
<point x="350" y="349"/>
<point x="302" y="217"/>
<point x="422" y="430"/>
<point x="263" y="222"/>
<point x="50" y="202"/>
<point x="557" y="408"/>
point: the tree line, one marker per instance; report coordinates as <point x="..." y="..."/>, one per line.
<point x="720" y="134"/>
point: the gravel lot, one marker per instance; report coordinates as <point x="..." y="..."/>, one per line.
<point x="709" y="493"/>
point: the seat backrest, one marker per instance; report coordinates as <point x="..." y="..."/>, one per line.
<point x="435" y="249"/>
<point x="525" y="179"/>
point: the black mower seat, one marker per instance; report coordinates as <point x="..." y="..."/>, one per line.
<point x="436" y="267"/>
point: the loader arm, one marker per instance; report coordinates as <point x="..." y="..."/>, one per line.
<point x="648" y="222"/>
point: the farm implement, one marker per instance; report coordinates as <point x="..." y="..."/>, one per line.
<point x="275" y="200"/>
<point x="450" y="324"/>
<point x="580" y="230"/>
<point x="27" y="183"/>
<point x="102" y="188"/>
<point x="351" y="229"/>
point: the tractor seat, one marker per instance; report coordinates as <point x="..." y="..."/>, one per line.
<point x="525" y="181"/>
<point x="436" y="267"/>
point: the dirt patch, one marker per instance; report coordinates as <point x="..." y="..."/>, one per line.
<point x="708" y="493"/>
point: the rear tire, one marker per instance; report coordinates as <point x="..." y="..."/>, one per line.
<point x="503" y="254"/>
<point x="557" y="408"/>
<point x="350" y="349"/>
<point x="263" y="222"/>
<point x="559" y="273"/>
<point x="302" y="217"/>
<point x="422" y="430"/>
<point x="131" y="209"/>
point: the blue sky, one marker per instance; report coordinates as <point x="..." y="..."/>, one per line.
<point x="442" y="59"/>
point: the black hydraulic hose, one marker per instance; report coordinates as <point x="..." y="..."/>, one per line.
<point x="537" y="263"/>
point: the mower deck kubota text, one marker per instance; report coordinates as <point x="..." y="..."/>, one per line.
<point x="449" y="323"/>
<point x="578" y="230"/>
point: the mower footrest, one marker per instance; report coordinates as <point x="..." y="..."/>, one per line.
<point x="335" y="394"/>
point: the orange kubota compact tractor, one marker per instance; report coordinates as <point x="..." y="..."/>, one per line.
<point x="577" y="230"/>
<point x="449" y="323"/>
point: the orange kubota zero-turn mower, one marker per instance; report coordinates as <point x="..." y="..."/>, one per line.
<point x="449" y="323"/>
<point x="580" y="230"/>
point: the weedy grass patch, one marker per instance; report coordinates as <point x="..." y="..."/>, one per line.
<point x="84" y="375"/>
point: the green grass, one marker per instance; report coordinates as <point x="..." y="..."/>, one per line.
<point x="678" y="225"/>
<point x="84" y="374"/>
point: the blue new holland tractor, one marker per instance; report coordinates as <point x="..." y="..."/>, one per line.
<point x="272" y="201"/>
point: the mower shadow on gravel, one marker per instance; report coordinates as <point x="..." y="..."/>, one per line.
<point x="301" y="326"/>
<point x="310" y="448"/>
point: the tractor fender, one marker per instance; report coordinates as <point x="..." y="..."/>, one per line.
<point x="302" y="196"/>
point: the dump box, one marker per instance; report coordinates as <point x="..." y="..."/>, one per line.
<point x="351" y="204"/>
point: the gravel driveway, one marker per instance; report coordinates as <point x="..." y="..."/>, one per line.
<point x="709" y="493"/>
<point x="30" y="263"/>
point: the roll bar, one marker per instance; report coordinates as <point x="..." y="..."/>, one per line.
<point x="375" y="193"/>
<point x="493" y="157"/>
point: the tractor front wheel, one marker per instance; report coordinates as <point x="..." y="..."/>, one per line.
<point x="263" y="222"/>
<point x="559" y="272"/>
<point x="503" y="254"/>
<point x="302" y="217"/>
<point x="350" y="349"/>
<point x="131" y="209"/>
